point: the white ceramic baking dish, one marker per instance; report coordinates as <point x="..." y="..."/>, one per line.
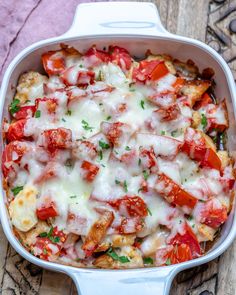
<point x="137" y="27"/>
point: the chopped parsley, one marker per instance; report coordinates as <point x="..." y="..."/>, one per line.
<point x="190" y="217"/>
<point x="73" y="197"/>
<point x="104" y="145"/>
<point x="37" y="114"/>
<point x="100" y="76"/>
<point x="127" y="148"/>
<point x="80" y="66"/>
<point x="142" y="104"/>
<point x="14" y="106"/>
<point x="115" y="256"/>
<point x="163" y="132"/>
<point x="168" y="261"/>
<point x="16" y="190"/>
<point x="203" y="121"/>
<point x="145" y="175"/>
<point x="68" y="113"/>
<point x="125" y="186"/>
<point x="174" y="133"/>
<point x="117" y="181"/>
<point x="139" y="161"/>
<point x="100" y="155"/>
<point x="149" y="211"/>
<point x="45" y="251"/>
<point x="63" y="120"/>
<point x="147" y="260"/>
<point x="54" y="239"/>
<point x="108" y="118"/>
<point x="86" y="126"/>
<point x="132" y="90"/>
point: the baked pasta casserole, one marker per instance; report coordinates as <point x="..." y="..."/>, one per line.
<point x="111" y="161"/>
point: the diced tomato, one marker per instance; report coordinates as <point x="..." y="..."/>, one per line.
<point x="85" y="149"/>
<point x="120" y="56"/>
<point x="148" y="158"/>
<point x="12" y="153"/>
<point x="54" y="62"/>
<point x="49" y="172"/>
<point x="59" y="233"/>
<point x="129" y="225"/>
<point x="173" y="255"/>
<point x="128" y="158"/>
<point x="217" y="117"/>
<point x="205" y="100"/>
<point x="173" y="193"/>
<point x="168" y="114"/>
<point x="90" y="170"/>
<point x="113" y="131"/>
<point x="178" y="84"/>
<point x="150" y="70"/>
<point x="24" y="112"/>
<point x="16" y="130"/>
<point x="101" y="56"/>
<point x="44" y="213"/>
<point x="227" y="183"/>
<point x="130" y="206"/>
<point x="188" y="238"/>
<point x="51" y="104"/>
<point x="60" y="138"/>
<point x="213" y="213"/>
<point x="75" y="76"/>
<point x="144" y="186"/>
<point x="45" y="247"/>
<point x="195" y="147"/>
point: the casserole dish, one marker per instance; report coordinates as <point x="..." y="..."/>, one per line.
<point x="118" y="28"/>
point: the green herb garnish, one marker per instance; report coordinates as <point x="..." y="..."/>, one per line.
<point x="104" y="145"/>
<point x="145" y="175"/>
<point x="127" y="148"/>
<point x="149" y="211"/>
<point x="100" y="155"/>
<point x="163" y="132"/>
<point x="63" y="120"/>
<point x="108" y="118"/>
<point x="86" y="126"/>
<point x="16" y="190"/>
<point x="147" y="260"/>
<point x="43" y="235"/>
<point x="115" y="256"/>
<point x="168" y="261"/>
<point x="73" y="197"/>
<point x="142" y="104"/>
<point x="68" y="113"/>
<point x="174" y="133"/>
<point x="117" y="181"/>
<point x="203" y="121"/>
<point x="14" y="106"/>
<point x="125" y="186"/>
<point x="37" y="114"/>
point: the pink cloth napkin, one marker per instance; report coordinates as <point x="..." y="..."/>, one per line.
<point x="25" y="22"/>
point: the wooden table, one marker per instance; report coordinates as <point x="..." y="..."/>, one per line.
<point x="210" y="22"/>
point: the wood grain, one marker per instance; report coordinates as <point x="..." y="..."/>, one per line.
<point x="209" y="22"/>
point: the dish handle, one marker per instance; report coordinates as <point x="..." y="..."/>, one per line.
<point x="112" y="18"/>
<point x="129" y="282"/>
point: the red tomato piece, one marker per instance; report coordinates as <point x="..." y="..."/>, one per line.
<point x="168" y="114"/>
<point x="113" y="131"/>
<point x="51" y="104"/>
<point x="148" y="158"/>
<point x="16" y="130"/>
<point x="213" y="214"/>
<point x="43" y="248"/>
<point x="217" y="117"/>
<point x="195" y="147"/>
<point x="75" y="76"/>
<point x="46" y="212"/>
<point x="179" y="83"/>
<point x="130" y="206"/>
<point x="54" y="62"/>
<point x="25" y="112"/>
<point x="205" y="100"/>
<point x="150" y="70"/>
<point x="173" y="193"/>
<point x="90" y="170"/>
<point x="129" y="225"/>
<point x="85" y="149"/>
<point x="188" y="238"/>
<point x="13" y="152"/>
<point x="60" y="138"/>
<point x="101" y="55"/>
<point x="120" y="56"/>
<point x="173" y="255"/>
